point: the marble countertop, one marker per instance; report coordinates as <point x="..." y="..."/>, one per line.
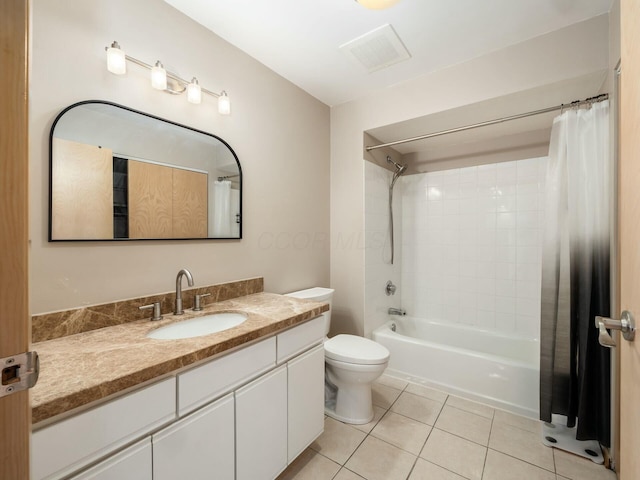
<point x="86" y="367"/>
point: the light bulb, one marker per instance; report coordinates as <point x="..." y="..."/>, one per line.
<point x="194" y="92"/>
<point x="224" y="104"/>
<point x="116" y="59"/>
<point x="377" y="4"/>
<point x="159" y="77"/>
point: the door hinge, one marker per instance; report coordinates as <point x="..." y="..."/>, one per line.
<point x="19" y="372"/>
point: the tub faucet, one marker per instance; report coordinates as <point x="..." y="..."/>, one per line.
<point x="396" y="311"/>
<point x="184" y="272"/>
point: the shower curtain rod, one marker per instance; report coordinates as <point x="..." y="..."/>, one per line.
<point x="577" y="103"/>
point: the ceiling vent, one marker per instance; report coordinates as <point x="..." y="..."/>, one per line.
<point x="378" y="49"/>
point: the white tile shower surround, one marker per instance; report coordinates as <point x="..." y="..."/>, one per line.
<point x="423" y="434"/>
<point x="471" y="245"/>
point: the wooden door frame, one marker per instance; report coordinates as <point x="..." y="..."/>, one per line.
<point x="15" y="336"/>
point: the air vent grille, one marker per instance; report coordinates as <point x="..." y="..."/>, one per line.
<point x="378" y="49"/>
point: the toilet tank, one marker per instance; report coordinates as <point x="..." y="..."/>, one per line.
<point x="317" y="294"/>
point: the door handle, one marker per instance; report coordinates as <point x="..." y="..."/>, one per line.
<point x="626" y="324"/>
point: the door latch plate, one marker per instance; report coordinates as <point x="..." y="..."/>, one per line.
<point x="19" y="372"/>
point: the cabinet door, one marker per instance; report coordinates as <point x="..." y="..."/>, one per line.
<point x="261" y="427"/>
<point x="306" y="400"/>
<point x="133" y="463"/>
<point x="200" y="446"/>
<point x="65" y="447"/>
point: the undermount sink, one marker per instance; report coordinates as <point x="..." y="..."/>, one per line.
<point x="196" y="327"/>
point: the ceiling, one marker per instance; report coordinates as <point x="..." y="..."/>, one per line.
<point x="300" y="39"/>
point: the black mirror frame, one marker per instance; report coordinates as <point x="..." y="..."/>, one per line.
<point x="104" y="102"/>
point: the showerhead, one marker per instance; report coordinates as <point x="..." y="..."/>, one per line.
<point x="399" y="168"/>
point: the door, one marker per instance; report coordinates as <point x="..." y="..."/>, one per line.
<point x="189" y="204"/>
<point x="15" y="414"/>
<point x="150" y="200"/>
<point x="629" y="204"/>
<point x="81" y="191"/>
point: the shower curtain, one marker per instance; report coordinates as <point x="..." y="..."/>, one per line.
<point x="574" y="368"/>
<point x="222" y="208"/>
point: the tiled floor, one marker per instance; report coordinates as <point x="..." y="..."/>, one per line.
<point x="419" y="433"/>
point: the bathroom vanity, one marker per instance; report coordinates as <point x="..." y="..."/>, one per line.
<point x="239" y="404"/>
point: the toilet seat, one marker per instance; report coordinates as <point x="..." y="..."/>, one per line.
<point x="355" y="349"/>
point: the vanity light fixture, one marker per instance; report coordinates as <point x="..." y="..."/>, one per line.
<point x="224" y="105"/>
<point x="194" y="92"/>
<point x="159" y="76"/>
<point x="116" y="59"/>
<point x="377" y="4"/>
<point x="162" y="79"/>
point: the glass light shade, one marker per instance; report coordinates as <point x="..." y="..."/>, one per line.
<point x="224" y="104"/>
<point x="377" y="4"/>
<point x="116" y="59"/>
<point x="194" y="92"/>
<point x="159" y="77"/>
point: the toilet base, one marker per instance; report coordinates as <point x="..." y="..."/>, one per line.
<point x="331" y="413"/>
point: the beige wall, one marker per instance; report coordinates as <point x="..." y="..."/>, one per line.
<point x="564" y="54"/>
<point x="280" y="134"/>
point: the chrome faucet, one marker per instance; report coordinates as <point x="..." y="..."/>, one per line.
<point x="396" y="311"/>
<point x="184" y="272"/>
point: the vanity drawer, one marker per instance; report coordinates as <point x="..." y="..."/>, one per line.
<point x="66" y="446"/>
<point x="300" y="338"/>
<point x="211" y="380"/>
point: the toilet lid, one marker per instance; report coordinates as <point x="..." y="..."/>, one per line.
<point x="354" y="349"/>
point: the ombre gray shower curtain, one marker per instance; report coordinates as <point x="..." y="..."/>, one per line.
<point x="574" y="368"/>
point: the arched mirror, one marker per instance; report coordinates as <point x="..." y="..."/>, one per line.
<point x="120" y="174"/>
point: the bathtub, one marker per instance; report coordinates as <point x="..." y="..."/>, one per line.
<point x="496" y="369"/>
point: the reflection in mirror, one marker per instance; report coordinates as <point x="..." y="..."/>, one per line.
<point x="120" y="174"/>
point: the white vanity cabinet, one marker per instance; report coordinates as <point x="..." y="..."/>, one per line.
<point x="305" y="400"/>
<point x="245" y="415"/>
<point x="66" y="446"/>
<point x="133" y="463"/>
<point x="198" y="446"/>
<point x="261" y="427"/>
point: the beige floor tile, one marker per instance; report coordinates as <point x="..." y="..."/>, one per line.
<point x="424" y="470"/>
<point x="469" y="406"/>
<point x="464" y="424"/>
<point x="377" y="460"/>
<point x="384" y="396"/>
<point x="455" y="454"/>
<point x="528" y="424"/>
<point x="346" y="474"/>
<point x="378" y="412"/>
<point x="419" y="408"/>
<point x="403" y="432"/>
<point x="521" y="444"/>
<point x="310" y="465"/>
<point x="338" y="441"/>
<point x="392" y="382"/>
<point x="427" y="392"/>
<point x="503" y="467"/>
<point x="578" y="468"/>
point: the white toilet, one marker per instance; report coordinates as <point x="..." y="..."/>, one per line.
<point x="352" y="363"/>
